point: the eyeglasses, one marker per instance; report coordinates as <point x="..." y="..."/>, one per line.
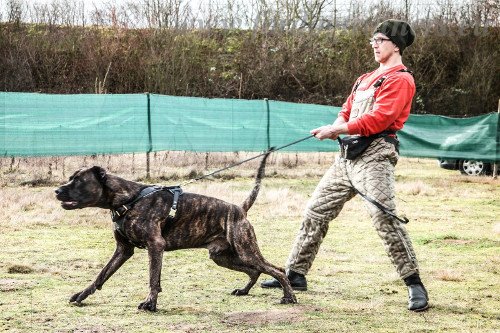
<point x="378" y="41"/>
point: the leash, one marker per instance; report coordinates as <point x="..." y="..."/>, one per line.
<point x="244" y="161"/>
<point x="386" y="210"/>
<point x="377" y="204"/>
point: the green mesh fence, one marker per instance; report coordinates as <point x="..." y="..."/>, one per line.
<point x="197" y="124"/>
<point x="451" y="138"/>
<point x="43" y="125"/>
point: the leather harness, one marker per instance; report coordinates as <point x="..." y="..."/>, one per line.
<point x="119" y="213"/>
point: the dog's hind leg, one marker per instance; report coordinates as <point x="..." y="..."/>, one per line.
<point x="259" y="263"/>
<point x="248" y="254"/>
<point x="279" y="274"/>
<point x="122" y="254"/>
<point x="229" y="259"/>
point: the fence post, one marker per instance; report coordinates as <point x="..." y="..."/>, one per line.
<point x="495" y="163"/>
<point x="268" y="123"/>
<point x="150" y="147"/>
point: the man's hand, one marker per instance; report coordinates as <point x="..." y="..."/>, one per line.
<point x="324" y="132"/>
<point x="327" y="132"/>
<point x="331" y="131"/>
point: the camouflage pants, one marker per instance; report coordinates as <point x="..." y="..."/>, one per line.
<point x="372" y="173"/>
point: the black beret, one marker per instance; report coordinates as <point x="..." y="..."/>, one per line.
<point x="399" y="32"/>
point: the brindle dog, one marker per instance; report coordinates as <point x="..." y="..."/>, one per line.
<point x="199" y="222"/>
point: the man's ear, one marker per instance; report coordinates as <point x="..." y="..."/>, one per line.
<point x="100" y="174"/>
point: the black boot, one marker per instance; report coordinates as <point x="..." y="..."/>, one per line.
<point x="417" y="294"/>
<point x="417" y="298"/>
<point x="297" y="281"/>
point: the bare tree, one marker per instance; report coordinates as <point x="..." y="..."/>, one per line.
<point x="288" y="9"/>
<point x="485" y="12"/>
<point x="166" y="13"/>
<point x="311" y="12"/>
<point x="15" y="11"/>
<point x="263" y="17"/>
<point x="54" y="13"/>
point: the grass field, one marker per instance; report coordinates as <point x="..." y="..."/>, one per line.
<point x="47" y="254"/>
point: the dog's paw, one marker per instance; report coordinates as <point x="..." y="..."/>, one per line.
<point x="147" y="306"/>
<point x="78" y="298"/>
<point x="80" y="304"/>
<point x="289" y="300"/>
<point x="239" y="292"/>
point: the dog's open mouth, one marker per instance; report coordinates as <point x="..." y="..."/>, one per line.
<point x="69" y="204"/>
<point x="66" y="200"/>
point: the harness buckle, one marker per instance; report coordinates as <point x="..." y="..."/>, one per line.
<point x="125" y="210"/>
<point x="173" y="211"/>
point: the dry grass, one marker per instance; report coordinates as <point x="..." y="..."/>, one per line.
<point x="164" y="166"/>
<point x="449" y="275"/>
<point x="416" y="188"/>
<point x="48" y="254"/>
<point x="496" y="228"/>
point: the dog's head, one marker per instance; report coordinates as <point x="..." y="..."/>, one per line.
<point x="84" y="189"/>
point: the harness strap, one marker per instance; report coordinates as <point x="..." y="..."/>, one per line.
<point x="176" y="191"/>
<point x="122" y="210"/>
<point x="117" y="214"/>
<point x="379" y="82"/>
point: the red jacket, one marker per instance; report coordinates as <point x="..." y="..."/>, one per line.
<point x="392" y="102"/>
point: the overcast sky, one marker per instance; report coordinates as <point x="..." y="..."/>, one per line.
<point x="196" y="3"/>
<point x="341" y="9"/>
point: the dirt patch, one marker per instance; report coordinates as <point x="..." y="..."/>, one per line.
<point x="293" y="314"/>
<point x="20" y="269"/>
<point x="457" y="241"/>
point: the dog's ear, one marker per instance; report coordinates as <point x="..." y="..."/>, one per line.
<point x="74" y="174"/>
<point x="100" y="173"/>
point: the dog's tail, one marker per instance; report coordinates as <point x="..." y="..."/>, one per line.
<point x="255" y="191"/>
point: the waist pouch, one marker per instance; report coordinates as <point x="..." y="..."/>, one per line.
<point x="353" y="146"/>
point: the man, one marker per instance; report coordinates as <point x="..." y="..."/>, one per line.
<point x="378" y="106"/>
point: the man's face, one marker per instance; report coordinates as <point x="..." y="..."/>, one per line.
<point x="383" y="48"/>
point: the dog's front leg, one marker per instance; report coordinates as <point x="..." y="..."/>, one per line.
<point x="122" y="254"/>
<point x="155" y="253"/>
